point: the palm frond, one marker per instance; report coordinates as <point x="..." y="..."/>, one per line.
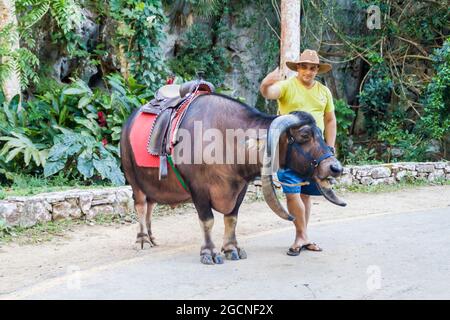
<point x="31" y="17"/>
<point x="67" y="14"/>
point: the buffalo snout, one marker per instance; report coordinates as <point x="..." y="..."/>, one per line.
<point x="336" y="169"/>
<point x="330" y="167"/>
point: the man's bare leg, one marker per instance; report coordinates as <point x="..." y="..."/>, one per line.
<point x="307" y="203"/>
<point x="300" y="207"/>
<point x="297" y="209"/>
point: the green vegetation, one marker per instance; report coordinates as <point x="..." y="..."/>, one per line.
<point x="436" y="118"/>
<point x="402" y="107"/>
<point x="64" y="17"/>
<point x="139" y="33"/>
<point x="68" y="128"/>
<point x="26" y="185"/>
<point x="72" y="129"/>
<point x="200" y="54"/>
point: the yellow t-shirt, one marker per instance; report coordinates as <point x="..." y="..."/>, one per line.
<point x="296" y="97"/>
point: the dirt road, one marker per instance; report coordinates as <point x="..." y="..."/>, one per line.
<point x="23" y="269"/>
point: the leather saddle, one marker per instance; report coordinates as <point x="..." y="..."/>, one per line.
<point x="168" y="99"/>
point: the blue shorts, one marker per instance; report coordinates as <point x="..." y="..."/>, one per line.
<point x="290" y="176"/>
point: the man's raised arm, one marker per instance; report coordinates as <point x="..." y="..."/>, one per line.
<point x="267" y="88"/>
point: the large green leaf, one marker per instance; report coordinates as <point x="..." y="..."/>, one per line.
<point x="52" y="167"/>
<point x="116" y="85"/>
<point x="58" y="152"/>
<point x="116" y="177"/>
<point x="74" y="149"/>
<point x="63" y="115"/>
<point x="108" y="169"/>
<point x="85" y="164"/>
<point x="89" y="124"/>
<point x="102" y="167"/>
<point x="13" y="154"/>
<point x="20" y="144"/>
<point x="27" y="156"/>
<point x="40" y="156"/>
<point x="84" y="101"/>
<point x="74" y="91"/>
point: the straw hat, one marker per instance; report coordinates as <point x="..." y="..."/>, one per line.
<point x="309" y="56"/>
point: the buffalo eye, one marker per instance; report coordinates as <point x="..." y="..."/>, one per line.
<point x="304" y="135"/>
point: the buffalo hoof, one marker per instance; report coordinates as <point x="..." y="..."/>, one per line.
<point x="232" y="254"/>
<point x="143" y="242"/>
<point x="152" y="240"/>
<point x="242" y="254"/>
<point x="235" y="254"/>
<point x="215" y="258"/>
<point x="218" y="258"/>
<point x="206" y="259"/>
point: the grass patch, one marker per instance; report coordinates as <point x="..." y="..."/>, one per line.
<point x="26" y="185"/>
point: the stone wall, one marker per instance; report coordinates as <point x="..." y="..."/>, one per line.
<point x="394" y="172"/>
<point x="26" y="211"/>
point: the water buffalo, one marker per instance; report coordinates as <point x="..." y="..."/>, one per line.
<point x="222" y="186"/>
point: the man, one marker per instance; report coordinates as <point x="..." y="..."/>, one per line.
<point x="302" y="93"/>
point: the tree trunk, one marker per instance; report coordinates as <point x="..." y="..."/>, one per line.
<point x="290" y="34"/>
<point x="11" y="85"/>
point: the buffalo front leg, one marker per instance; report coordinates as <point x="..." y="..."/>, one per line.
<point x="230" y="246"/>
<point x="208" y="251"/>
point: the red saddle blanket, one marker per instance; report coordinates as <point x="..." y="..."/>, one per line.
<point x="140" y="135"/>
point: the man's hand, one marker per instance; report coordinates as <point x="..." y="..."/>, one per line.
<point x="332" y="150"/>
<point x="273" y="77"/>
<point x="268" y="90"/>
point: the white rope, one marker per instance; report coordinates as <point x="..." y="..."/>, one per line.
<point x="304" y="183"/>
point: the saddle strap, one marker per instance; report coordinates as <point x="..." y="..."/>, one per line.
<point x="162" y="167"/>
<point x="158" y="132"/>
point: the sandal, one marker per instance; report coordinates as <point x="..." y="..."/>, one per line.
<point x="306" y="247"/>
<point x="294" y="251"/>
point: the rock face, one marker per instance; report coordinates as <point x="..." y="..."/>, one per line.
<point x="346" y="179"/>
<point x="10" y="212"/>
<point x="426" y="167"/>
<point x="247" y="53"/>
<point x="380" y="172"/>
<point x="402" y="175"/>
<point x="34" y="211"/>
<point x="65" y="209"/>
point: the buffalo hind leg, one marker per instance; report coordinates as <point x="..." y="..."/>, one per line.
<point x="208" y="252"/>
<point x="230" y="246"/>
<point x="140" y="204"/>
<point x="150" y="207"/>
